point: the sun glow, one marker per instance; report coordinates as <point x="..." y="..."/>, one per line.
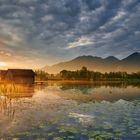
<point x="2" y="64"/>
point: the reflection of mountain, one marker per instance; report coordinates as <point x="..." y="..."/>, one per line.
<point x="84" y="88"/>
<point x="99" y="91"/>
<point x="129" y="64"/>
<point x="88" y="88"/>
<point x="86" y="93"/>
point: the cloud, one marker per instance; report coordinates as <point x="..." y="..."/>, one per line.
<point x="10" y="36"/>
<point x="44" y="28"/>
<point x="82" y="41"/>
<point x="3" y="53"/>
<point x="47" y="18"/>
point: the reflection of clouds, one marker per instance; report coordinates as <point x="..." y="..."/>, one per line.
<point x="28" y="111"/>
<point x="84" y="119"/>
<point x="46" y="109"/>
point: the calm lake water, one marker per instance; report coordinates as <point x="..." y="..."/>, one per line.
<point x="70" y="111"/>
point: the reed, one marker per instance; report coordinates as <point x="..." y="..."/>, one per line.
<point x="14" y="90"/>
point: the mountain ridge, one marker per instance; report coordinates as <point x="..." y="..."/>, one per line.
<point x="111" y="63"/>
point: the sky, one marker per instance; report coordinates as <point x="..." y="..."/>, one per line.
<point x="35" y="33"/>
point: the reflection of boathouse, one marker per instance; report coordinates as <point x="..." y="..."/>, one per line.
<point x="10" y="97"/>
<point x="24" y="76"/>
<point x="17" y="90"/>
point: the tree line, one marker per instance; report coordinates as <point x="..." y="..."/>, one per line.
<point x="85" y="74"/>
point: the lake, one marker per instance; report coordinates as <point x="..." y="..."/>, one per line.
<point x="70" y="111"/>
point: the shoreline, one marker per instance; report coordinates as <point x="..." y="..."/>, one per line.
<point x="79" y="82"/>
<point x="88" y="81"/>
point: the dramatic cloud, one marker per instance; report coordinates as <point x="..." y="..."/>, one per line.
<point x="39" y="31"/>
<point x="82" y="41"/>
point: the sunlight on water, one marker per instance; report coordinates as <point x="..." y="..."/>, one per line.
<point x="63" y="111"/>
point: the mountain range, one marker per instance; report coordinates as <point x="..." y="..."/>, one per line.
<point x="108" y="64"/>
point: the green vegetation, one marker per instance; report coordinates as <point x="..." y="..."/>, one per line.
<point x="85" y="74"/>
<point x="41" y="75"/>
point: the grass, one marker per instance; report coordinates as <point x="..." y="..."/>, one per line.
<point x="15" y="90"/>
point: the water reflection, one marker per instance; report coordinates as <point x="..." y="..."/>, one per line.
<point x="16" y="90"/>
<point x="86" y="93"/>
<point x="99" y="91"/>
<point x="11" y="93"/>
<point x="83" y="92"/>
<point x="69" y="109"/>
